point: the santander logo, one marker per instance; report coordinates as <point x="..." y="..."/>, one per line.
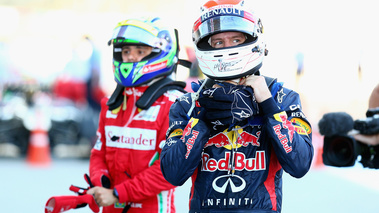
<point x="131" y="138"/>
<point x="154" y="67"/>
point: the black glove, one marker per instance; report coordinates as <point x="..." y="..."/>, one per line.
<point x="105" y="182"/>
<point x="228" y="105"/>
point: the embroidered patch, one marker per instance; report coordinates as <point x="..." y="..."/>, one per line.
<point x="301" y="123"/>
<point x="119" y="205"/>
<point x="176" y="132"/>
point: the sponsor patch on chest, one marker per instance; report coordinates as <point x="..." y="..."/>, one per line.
<point x="150" y="114"/>
<point x="130" y="138"/>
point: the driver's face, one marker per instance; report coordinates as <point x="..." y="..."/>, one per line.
<point x="134" y="53"/>
<point x="227" y="39"/>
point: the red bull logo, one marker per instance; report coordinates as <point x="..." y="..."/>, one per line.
<point x="283" y="138"/>
<point x="190" y="142"/>
<point x="187" y="131"/>
<point x="241" y="162"/>
<point x="282" y="117"/>
<point x="233" y="139"/>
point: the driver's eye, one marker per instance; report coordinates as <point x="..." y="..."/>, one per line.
<point x="217" y="44"/>
<point x="237" y="41"/>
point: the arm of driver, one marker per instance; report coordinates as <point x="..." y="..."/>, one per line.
<point x="258" y="83"/>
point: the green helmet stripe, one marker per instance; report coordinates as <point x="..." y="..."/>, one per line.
<point x="122" y="40"/>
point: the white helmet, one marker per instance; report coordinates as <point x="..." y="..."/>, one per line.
<point x="230" y="62"/>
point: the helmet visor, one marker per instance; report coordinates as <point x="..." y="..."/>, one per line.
<point x="133" y="34"/>
<point x="218" y="24"/>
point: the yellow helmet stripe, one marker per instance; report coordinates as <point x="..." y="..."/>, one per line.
<point x="140" y="24"/>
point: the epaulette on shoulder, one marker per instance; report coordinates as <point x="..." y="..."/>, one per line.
<point x="151" y="94"/>
<point x="270" y="81"/>
<point x="157" y="89"/>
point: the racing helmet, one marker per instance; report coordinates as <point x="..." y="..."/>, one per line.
<point x="228" y="63"/>
<point x="144" y="31"/>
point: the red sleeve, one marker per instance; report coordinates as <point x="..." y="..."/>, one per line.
<point x="97" y="166"/>
<point x="150" y="182"/>
<point x="146" y="184"/>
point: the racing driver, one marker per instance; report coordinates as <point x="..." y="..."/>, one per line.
<point x="240" y="130"/>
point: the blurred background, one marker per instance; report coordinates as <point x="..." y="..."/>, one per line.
<point x="55" y="66"/>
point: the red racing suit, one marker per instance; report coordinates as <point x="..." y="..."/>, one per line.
<point x="127" y="152"/>
<point x="238" y="170"/>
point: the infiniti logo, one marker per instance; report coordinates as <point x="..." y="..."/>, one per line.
<point x="232" y="180"/>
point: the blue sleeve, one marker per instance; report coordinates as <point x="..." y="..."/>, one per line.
<point x="289" y="132"/>
<point x="184" y="145"/>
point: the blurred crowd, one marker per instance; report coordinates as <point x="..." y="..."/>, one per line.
<point x="65" y="107"/>
<point x="52" y="78"/>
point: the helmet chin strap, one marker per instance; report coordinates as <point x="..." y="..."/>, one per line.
<point x="240" y="81"/>
<point x="237" y="81"/>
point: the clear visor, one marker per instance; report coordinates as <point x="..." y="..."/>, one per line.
<point x="222" y="24"/>
<point x="137" y="34"/>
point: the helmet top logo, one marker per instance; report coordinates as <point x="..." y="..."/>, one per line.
<point x="222" y="11"/>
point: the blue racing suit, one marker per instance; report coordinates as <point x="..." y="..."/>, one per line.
<point x="239" y="169"/>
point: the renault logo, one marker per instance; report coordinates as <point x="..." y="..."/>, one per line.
<point x="237" y="183"/>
